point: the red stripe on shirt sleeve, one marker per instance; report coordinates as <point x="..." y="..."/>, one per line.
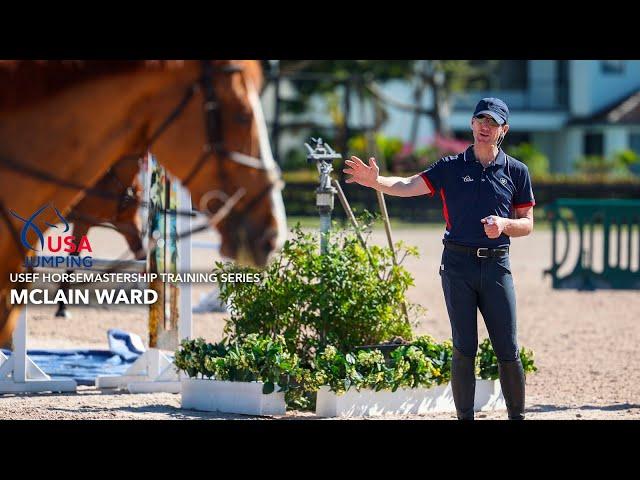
<point x="524" y="205"/>
<point x="445" y="210"/>
<point x="429" y="184"/>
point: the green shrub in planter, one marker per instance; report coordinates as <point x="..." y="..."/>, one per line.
<point x="370" y="369"/>
<point x="363" y="369"/>
<point x="424" y="363"/>
<point x="344" y="298"/>
<point x="263" y="359"/>
<point x="412" y="368"/>
<point x="487" y="362"/>
<point x="440" y="355"/>
<point x="195" y="357"/>
<point x="333" y="368"/>
<point x="255" y="358"/>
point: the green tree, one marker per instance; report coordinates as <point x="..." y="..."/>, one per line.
<point x="445" y="78"/>
<point x="528" y="153"/>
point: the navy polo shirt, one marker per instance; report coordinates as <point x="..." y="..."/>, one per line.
<point x="471" y="192"/>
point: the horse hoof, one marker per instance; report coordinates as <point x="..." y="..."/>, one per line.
<point x="63" y="313"/>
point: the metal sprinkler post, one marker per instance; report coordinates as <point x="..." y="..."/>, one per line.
<point x="323" y="155"/>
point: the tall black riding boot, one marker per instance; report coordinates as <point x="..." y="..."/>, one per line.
<point x="463" y="384"/>
<point x="512" y="382"/>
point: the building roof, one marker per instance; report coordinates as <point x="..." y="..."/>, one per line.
<point x="622" y="112"/>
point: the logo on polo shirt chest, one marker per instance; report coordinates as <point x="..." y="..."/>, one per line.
<point x="467" y="178"/>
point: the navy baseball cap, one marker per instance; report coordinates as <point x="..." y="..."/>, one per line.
<point x="494" y="107"/>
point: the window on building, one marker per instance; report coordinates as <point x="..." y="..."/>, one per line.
<point x="516" y="138"/>
<point x="562" y="82"/>
<point x="593" y="144"/>
<point x="499" y="75"/>
<point x="634" y="142"/>
<point x="512" y="75"/>
<point x="612" y="66"/>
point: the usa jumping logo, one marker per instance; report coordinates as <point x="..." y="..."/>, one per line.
<point x="55" y="243"/>
<point x="30" y="225"/>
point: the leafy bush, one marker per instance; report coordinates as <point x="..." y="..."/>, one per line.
<point x="440" y="353"/>
<point x="619" y="164"/>
<point x="399" y="156"/>
<point x="536" y="161"/>
<point x="345" y="298"/>
<point x="412" y="368"/>
<point x="526" y="357"/>
<point x="337" y="369"/>
<point x="296" y="158"/>
<point x="424" y="363"/>
<point x="487" y="362"/>
<point x="388" y="147"/>
<point x="627" y="157"/>
<point x="193" y="355"/>
<point x="596" y="165"/>
<point x="255" y="358"/>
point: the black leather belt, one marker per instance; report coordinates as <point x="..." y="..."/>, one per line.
<point x="477" y="252"/>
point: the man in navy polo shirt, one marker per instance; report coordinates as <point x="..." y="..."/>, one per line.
<point x="486" y="199"/>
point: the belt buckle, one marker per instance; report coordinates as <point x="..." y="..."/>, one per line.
<point x="481" y="256"/>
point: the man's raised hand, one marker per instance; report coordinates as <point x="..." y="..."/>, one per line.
<point x="361" y="173"/>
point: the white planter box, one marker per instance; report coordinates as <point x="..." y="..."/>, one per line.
<point x="404" y="401"/>
<point x="231" y="397"/>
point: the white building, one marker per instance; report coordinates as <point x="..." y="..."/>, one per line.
<point x="567" y="108"/>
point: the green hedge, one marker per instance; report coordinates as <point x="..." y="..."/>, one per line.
<point x="423" y="363"/>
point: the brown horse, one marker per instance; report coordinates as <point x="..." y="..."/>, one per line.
<point x="123" y="186"/>
<point x="122" y="183"/>
<point x="63" y="124"/>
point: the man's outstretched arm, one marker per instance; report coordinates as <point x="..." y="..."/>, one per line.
<point x="369" y="176"/>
